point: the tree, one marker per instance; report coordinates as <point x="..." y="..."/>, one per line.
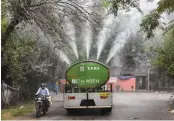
<point x="3" y="16"/>
<point x="116" y="5"/>
<point x="165" y="55"/>
<point x="151" y="21"/>
<point x="13" y="53"/>
<point x="133" y="54"/>
<point x="46" y="14"/>
<point x="25" y="61"/>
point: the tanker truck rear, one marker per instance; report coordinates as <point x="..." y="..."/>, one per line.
<point x="85" y="87"/>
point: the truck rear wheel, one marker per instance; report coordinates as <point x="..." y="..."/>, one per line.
<point x="70" y="111"/>
<point x="109" y="110"/>
<point x="103" y="111"/>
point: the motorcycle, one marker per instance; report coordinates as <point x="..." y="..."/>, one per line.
<point x="41" y="105"/>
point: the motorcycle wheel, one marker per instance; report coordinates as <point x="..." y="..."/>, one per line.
<point x="47" y="109"/>
<point x="38" y="113"/>
<point x="44" y="111"/>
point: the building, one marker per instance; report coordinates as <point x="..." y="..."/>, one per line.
<point x="137" y="79"/>
<point x="123" y="80"/>
<point x="141" y="80"/>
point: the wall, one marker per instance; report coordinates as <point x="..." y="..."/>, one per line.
<point x="62" y="83"/>
<point x="125" y="85"/>
<point x="112" y="81"/>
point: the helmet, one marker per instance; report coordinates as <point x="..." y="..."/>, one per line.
<point x="43" y="85"/>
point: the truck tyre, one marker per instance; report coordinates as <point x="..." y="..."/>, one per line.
<point x="103" y="111"/>
<point x="110" y="110"/>
<point x="69" y="111"/>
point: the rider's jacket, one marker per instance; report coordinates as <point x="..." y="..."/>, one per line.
<point x="43" y="91"/>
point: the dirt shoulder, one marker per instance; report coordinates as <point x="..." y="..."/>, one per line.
<point x="15" y="111"/>
<point x="26" y="111"/>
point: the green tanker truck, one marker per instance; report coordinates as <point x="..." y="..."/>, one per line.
<point x="85" y="87"/>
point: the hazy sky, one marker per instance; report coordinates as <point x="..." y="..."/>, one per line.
<point x="136" y="17"/>
<point x="148" y="6"/>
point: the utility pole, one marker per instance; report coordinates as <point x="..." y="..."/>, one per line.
<point x="148" y="77"/>
<point x="148" y="82"/>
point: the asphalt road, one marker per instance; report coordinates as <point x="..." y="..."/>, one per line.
<point x="127" y="106"/>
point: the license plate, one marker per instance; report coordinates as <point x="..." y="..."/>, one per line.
<point x="104" y="94"/>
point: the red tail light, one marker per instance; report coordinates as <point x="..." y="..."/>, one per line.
<point x="71" y="97"/>
<point x="103" y="97"/>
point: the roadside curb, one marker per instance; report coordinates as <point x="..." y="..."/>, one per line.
<point x="141" y="91"/>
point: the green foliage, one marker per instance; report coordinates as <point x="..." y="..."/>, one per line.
<point x="14" y="52"/>
<point x="171" y="69"/>
<point x="3" y="24"/>
<point x="105" y="3"/>
<point x="151" y="21"/>
<point x="165" y="58"/>
<point x="165" y="6"/>
<point x="3" y="16"/>
<point x="116" y="5"/>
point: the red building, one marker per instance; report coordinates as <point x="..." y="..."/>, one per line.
<point x="122" y="83"/>
<point x="126" y="84"/>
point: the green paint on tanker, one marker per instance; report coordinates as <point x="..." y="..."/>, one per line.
<point x="88" y="74"/>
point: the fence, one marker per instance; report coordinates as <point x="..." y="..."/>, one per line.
<point x="9" y="95"/>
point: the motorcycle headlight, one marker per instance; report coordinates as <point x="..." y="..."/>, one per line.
<point x="39" y="99"/>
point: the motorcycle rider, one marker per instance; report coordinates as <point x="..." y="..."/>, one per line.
<point x="45" y="92"/>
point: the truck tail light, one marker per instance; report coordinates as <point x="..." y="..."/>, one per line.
<point x="71" y="97"/>
<point x="103" y="97"/>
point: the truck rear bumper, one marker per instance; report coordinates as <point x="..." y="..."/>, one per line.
<point x="85" y="107"/>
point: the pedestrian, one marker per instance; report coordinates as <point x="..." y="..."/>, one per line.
<point x="56" y="88"/>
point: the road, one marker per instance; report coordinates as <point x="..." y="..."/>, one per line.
<point x="127" y="106"/>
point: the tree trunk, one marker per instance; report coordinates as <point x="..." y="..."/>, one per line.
<point x="4" y="71"/>
<point x="9" y="30"/>
<point x="4" y="39"/>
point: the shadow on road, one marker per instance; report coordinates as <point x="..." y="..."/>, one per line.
<point x="87" y="112"/>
